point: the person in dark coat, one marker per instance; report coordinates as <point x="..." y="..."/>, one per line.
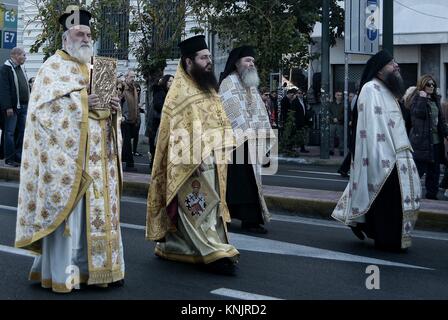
<point x="304" y="119"/>
<point x="159" y="92"/>
<point x="427" y="133"/>
<point x="14" y="96"/>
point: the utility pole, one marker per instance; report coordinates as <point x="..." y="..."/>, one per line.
<point x="388" y="26"/>
<point x="325" y="82"/>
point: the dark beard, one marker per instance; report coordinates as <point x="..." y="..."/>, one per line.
<point x="205" y="80"/>
<point x="394" y="82"/>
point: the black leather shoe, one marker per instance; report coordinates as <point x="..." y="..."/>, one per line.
<point x="117" y="284"/>
<point x="224" y="266"/>
<point x="255" y="229"/>
<point x="358" y="233"/>
<point x="431" y="197"/>
<point x="304" y="151"/>
<point x="130" y="169"/>
<point x="12" y="164"/>
<point x="343" y="174"/>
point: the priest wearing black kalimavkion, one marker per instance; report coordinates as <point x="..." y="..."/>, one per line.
<point x="383" y="197"/>
<point x="192" y="117"/>
<point x="70" y="179"/>
<point x="252" y="129"/>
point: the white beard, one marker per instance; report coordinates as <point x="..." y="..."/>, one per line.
<point x="83" y="54"/>
<point x="250" y="78"/>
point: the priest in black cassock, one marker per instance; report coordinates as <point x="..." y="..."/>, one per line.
<point x="250" y="123"/>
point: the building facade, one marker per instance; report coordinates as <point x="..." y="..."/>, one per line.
<point x="420" y="46"/>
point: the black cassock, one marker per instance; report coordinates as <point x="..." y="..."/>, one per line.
<point x="242" y="191"/>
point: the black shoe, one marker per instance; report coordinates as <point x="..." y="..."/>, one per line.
<point x="358" y="233"/>
<point x="431" y="197"/>
<point x="304" y="151"/>
<point x="267" y="165"/>
<point x="130" y="169"/>
<point x="331" y="153"/>
<point x="117" y="284"/>
<point x="389" y="248"/>
<point x="343" y="173"/>
<point x="255" y="229"/>
<point x="224" y="266"/>
<point x="12" y="164"/>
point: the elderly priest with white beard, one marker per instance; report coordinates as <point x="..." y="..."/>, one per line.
<point x="70" y="178"/>
<point x="254" y="137"/>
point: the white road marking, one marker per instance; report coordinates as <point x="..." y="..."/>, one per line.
<point x="249" y="243"/>
<point x="283" y="218"/>
<point x="17" y="251"/>
<point x="8" y="208"/>
<point x="133" y="200"/>
<point x="9" y="184"/>
<point x="316" y="172"/>
<point x="254" y="244"/>
<point x="132" y="226"/>
<point x="309" y="178"/>
<point x="242" y="295"/>
<point x="337" y="225"/>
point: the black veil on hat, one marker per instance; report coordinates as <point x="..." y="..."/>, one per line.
<point x="192" y="45"/>
<point x="74" y="16"/>
<point x="234" y="56"/>
<point x="373" y="66"/>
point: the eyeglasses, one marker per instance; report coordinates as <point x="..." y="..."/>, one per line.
<point x="430" y="85"/>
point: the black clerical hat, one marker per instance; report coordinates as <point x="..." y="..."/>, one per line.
<point x="75" y="17"/>
<point x="374" y="65"/>
<point x="192" y="45"/>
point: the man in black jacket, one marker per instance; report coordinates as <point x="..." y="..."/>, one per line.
<point x="303" y="120"/>
<point x="14" y="96"/>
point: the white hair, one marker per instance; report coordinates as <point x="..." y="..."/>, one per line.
<point x="250" y="77"/>
<point x="64" y="37"/>
<point x="76" y="49"/>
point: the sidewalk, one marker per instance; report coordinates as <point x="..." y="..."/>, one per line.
<point x="313" y="158"/>
<point x="312" y="203"/>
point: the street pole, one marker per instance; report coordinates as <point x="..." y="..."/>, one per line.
<point x="388" y="26"/>
<point x="325" y="82"/>
<point x="346" y="106"/>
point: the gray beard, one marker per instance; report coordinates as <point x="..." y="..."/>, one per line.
<point x="82" y="54"/>
<point x="250" y="78"/>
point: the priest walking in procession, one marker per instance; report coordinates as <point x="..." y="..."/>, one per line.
<point x="254" y="136"/>
<point x="195" y="138"/>
<point x="70" y="177"/>
<point x="383" y="196"/>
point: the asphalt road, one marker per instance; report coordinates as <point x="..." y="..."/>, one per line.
<point x="288" y="175"/>
<point x="296" y="175"/>
<point x="299" y="258"/>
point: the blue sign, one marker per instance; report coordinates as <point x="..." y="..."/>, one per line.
<point x="10" y="19"/>
<point x="372" y="30"/>
<point x="9" y="39"/>
<point x="372" y="5"/>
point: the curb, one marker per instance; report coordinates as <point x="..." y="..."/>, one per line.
<point x="311" y="161"/>
<point x="434" y="219"/>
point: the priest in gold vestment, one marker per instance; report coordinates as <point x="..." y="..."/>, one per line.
<point x="70" y="177"/>
<point x="195" y="141"/>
